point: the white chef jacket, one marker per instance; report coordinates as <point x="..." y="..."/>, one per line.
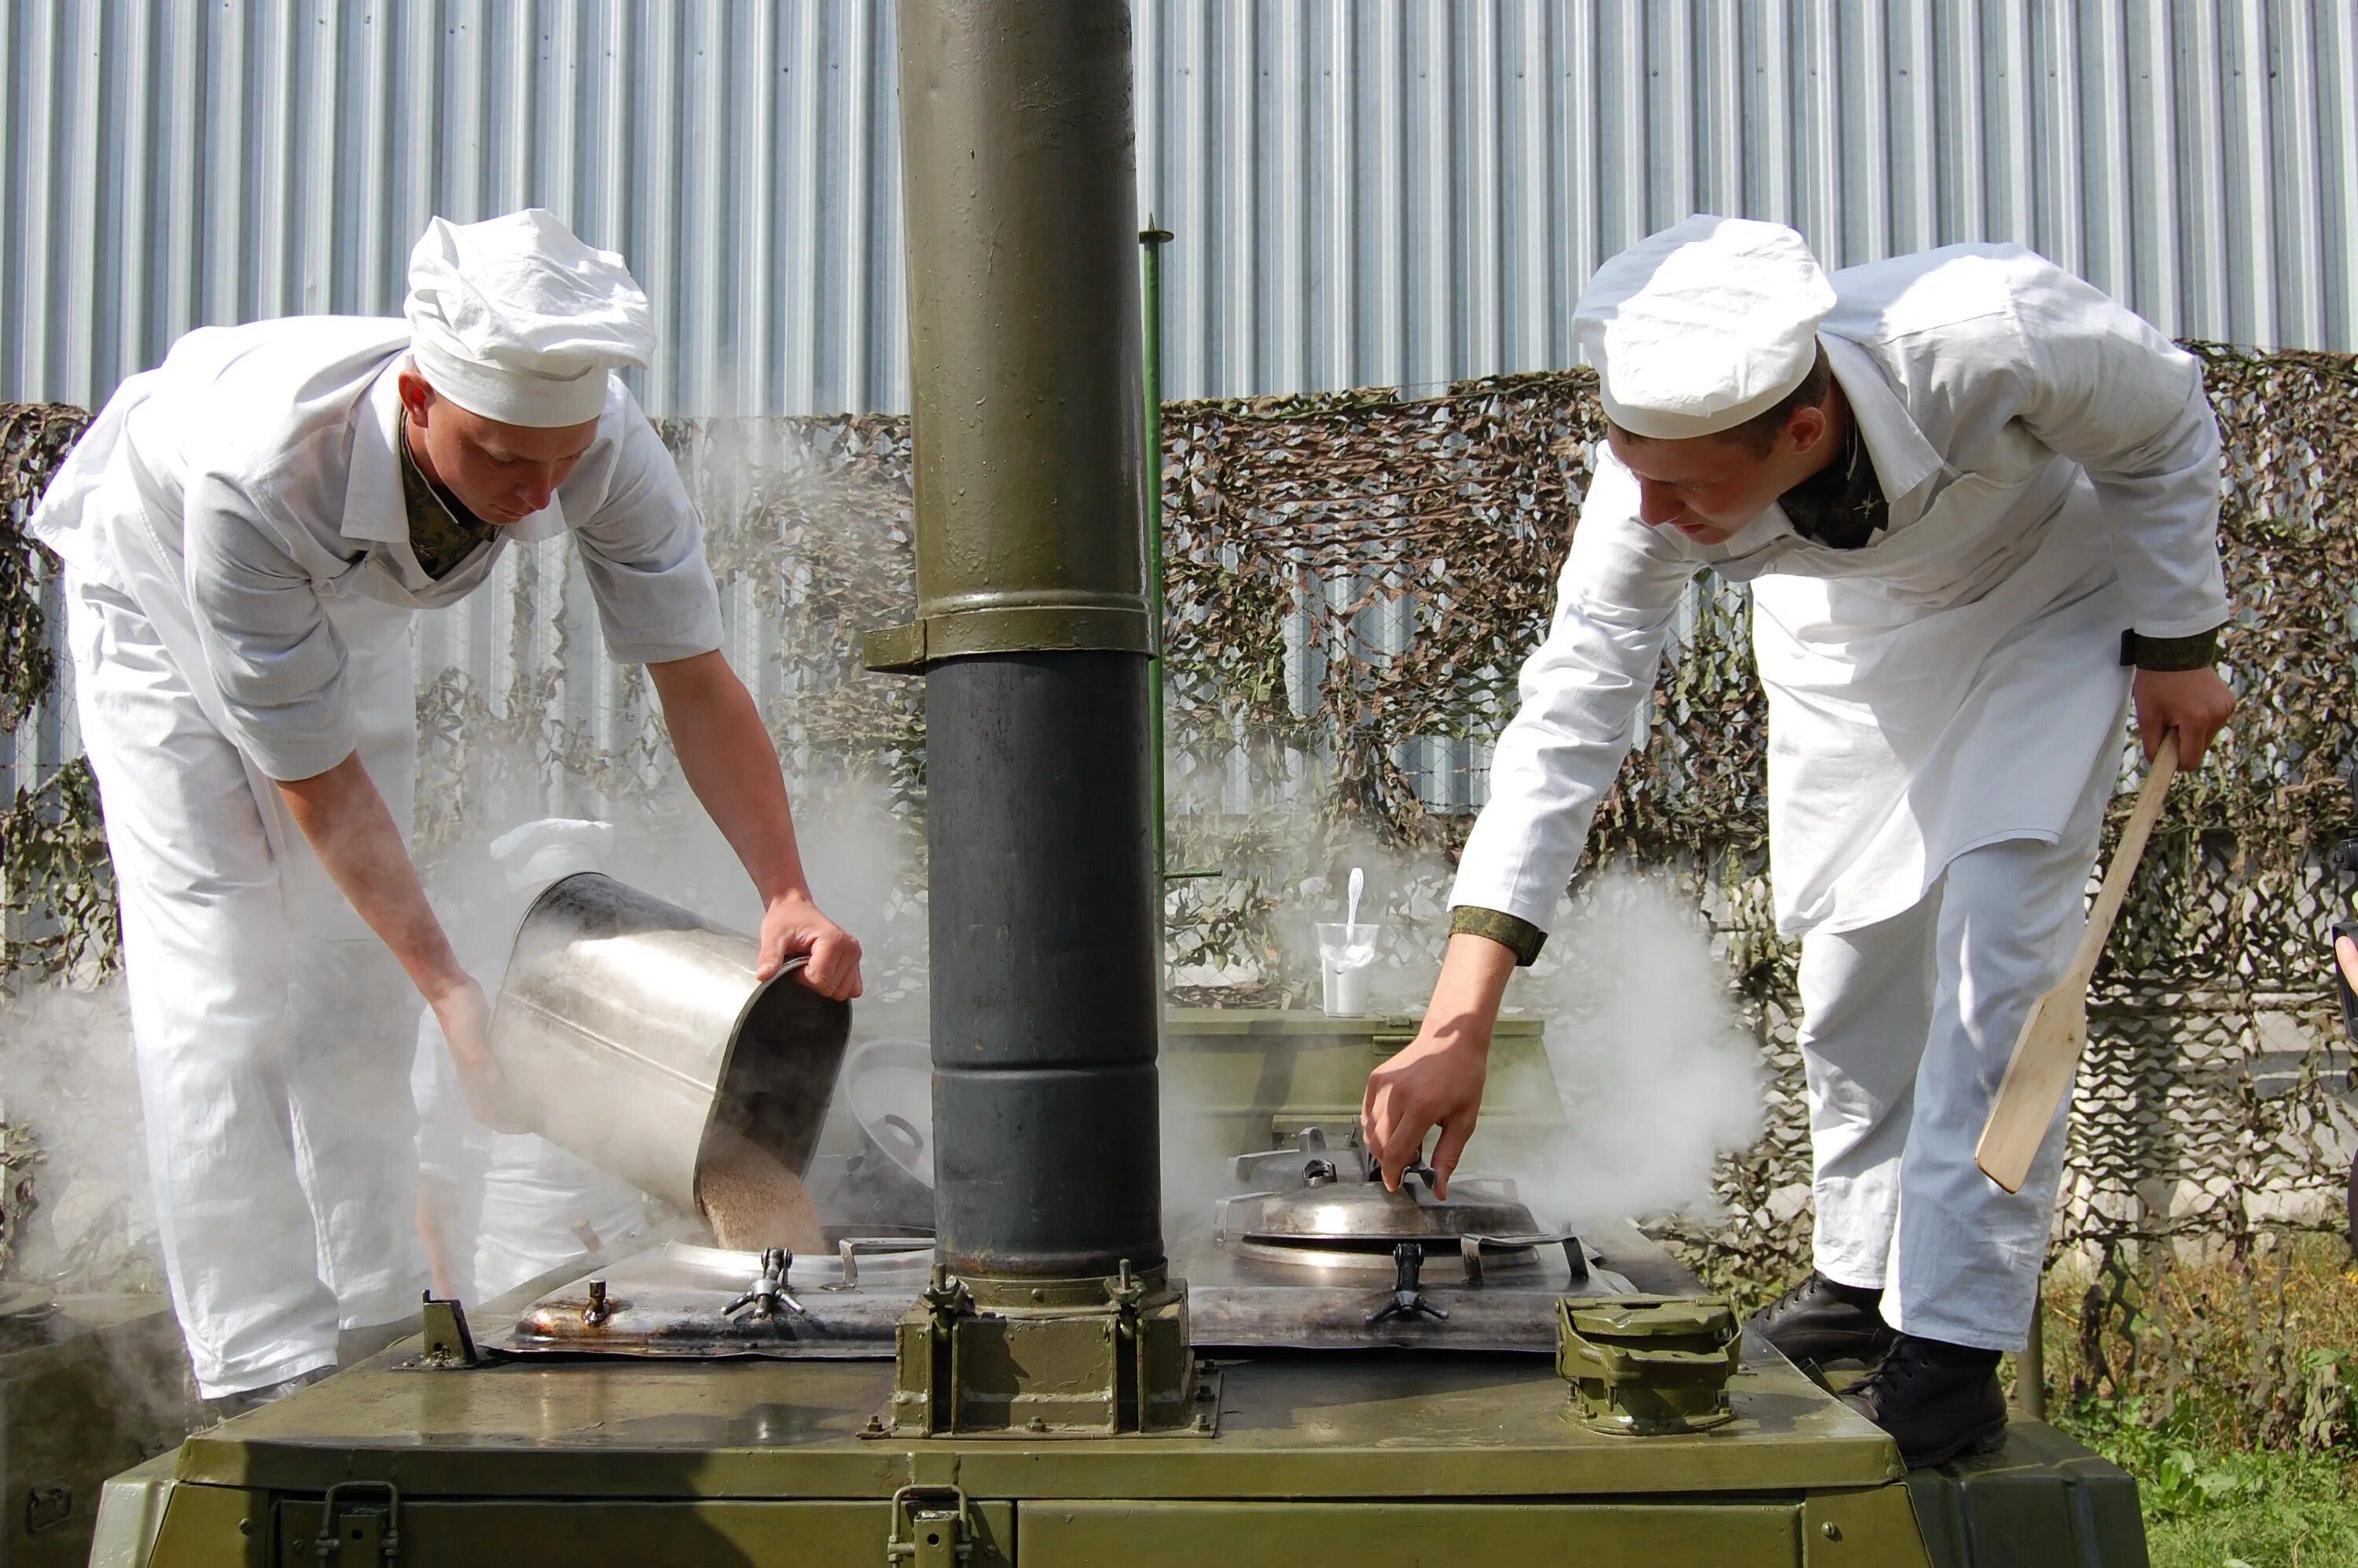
<point x="2051" y="466"/>
<point x="253" y="478"/>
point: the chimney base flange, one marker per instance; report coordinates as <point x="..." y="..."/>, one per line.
<point x="1018" y="1357"/>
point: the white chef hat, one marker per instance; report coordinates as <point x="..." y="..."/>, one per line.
<point x="517" y="320"/>
<point x="550" y="848"/>
<point x="1697" y="328"/>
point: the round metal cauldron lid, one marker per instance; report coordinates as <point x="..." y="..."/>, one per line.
<point x="899" y="1127"/>
<point x="1343" y="1212"/>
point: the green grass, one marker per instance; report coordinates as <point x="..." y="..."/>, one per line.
<point x="2207" y="1508"/>
<point x="2227" y="1392"/>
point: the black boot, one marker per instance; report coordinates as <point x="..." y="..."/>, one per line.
<point x="1936" y="1400"/>
<point x="1819" y="1321"/>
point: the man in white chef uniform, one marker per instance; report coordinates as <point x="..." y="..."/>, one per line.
<point x="1977" y="503"/>
<point x="246" y="531"/>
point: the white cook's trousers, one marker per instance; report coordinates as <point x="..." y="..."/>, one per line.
<point x="1907" y="1026"/>
<point x="272" y="1030"/>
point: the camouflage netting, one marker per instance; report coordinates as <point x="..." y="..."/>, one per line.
<point x="1354" y="580"/>
<point x="52" y="858"/>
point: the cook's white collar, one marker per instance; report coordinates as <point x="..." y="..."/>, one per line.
<point x="375" y="510"/>
<point x="1904" y="461"/>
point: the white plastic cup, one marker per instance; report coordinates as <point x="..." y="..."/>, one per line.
<point x="1347" y="955"/>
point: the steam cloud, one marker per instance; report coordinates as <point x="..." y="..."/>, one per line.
<point x="1658" y="1075"/>
<point x="65" y="1074"/>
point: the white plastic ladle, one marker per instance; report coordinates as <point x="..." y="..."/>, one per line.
<point x="1359" y="886"/>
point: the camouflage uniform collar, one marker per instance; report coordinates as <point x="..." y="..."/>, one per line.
<point x="1842" y="505"/>
<point x="442" y="533"/>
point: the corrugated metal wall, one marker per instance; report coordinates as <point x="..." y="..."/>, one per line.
<point x="168" y="163"/>
<point x="1399" y="191"/>
<point x="1388" y="191"/>
<point x="1363" y="192"/>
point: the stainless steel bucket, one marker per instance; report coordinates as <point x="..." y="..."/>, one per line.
<point x="633" y="1034"/>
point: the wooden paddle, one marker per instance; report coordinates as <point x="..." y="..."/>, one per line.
<point x="2048" y="1049"/>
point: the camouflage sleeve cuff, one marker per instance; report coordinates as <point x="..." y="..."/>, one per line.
<point x="1518" y="936"/>
<point x="2198" y="652"/>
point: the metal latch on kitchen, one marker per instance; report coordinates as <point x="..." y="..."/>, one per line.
<point x="357" y="1525"/>
<point x="930" y="1529"/>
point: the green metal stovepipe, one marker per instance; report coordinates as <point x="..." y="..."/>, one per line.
<point x="1151" y="239"/>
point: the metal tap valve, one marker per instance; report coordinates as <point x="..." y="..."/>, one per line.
<point x="1408" y="1296"/>
<point x="769" y="1292"/>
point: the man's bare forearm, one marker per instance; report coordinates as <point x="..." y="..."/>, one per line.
<point x="730" y="763"/>
<point x="349" y="828"/>
<point x="1473" y="982"/>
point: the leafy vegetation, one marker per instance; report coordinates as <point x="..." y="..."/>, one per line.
<point x="2238" y="1414"/>
<point x="2211" y="1507"/>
